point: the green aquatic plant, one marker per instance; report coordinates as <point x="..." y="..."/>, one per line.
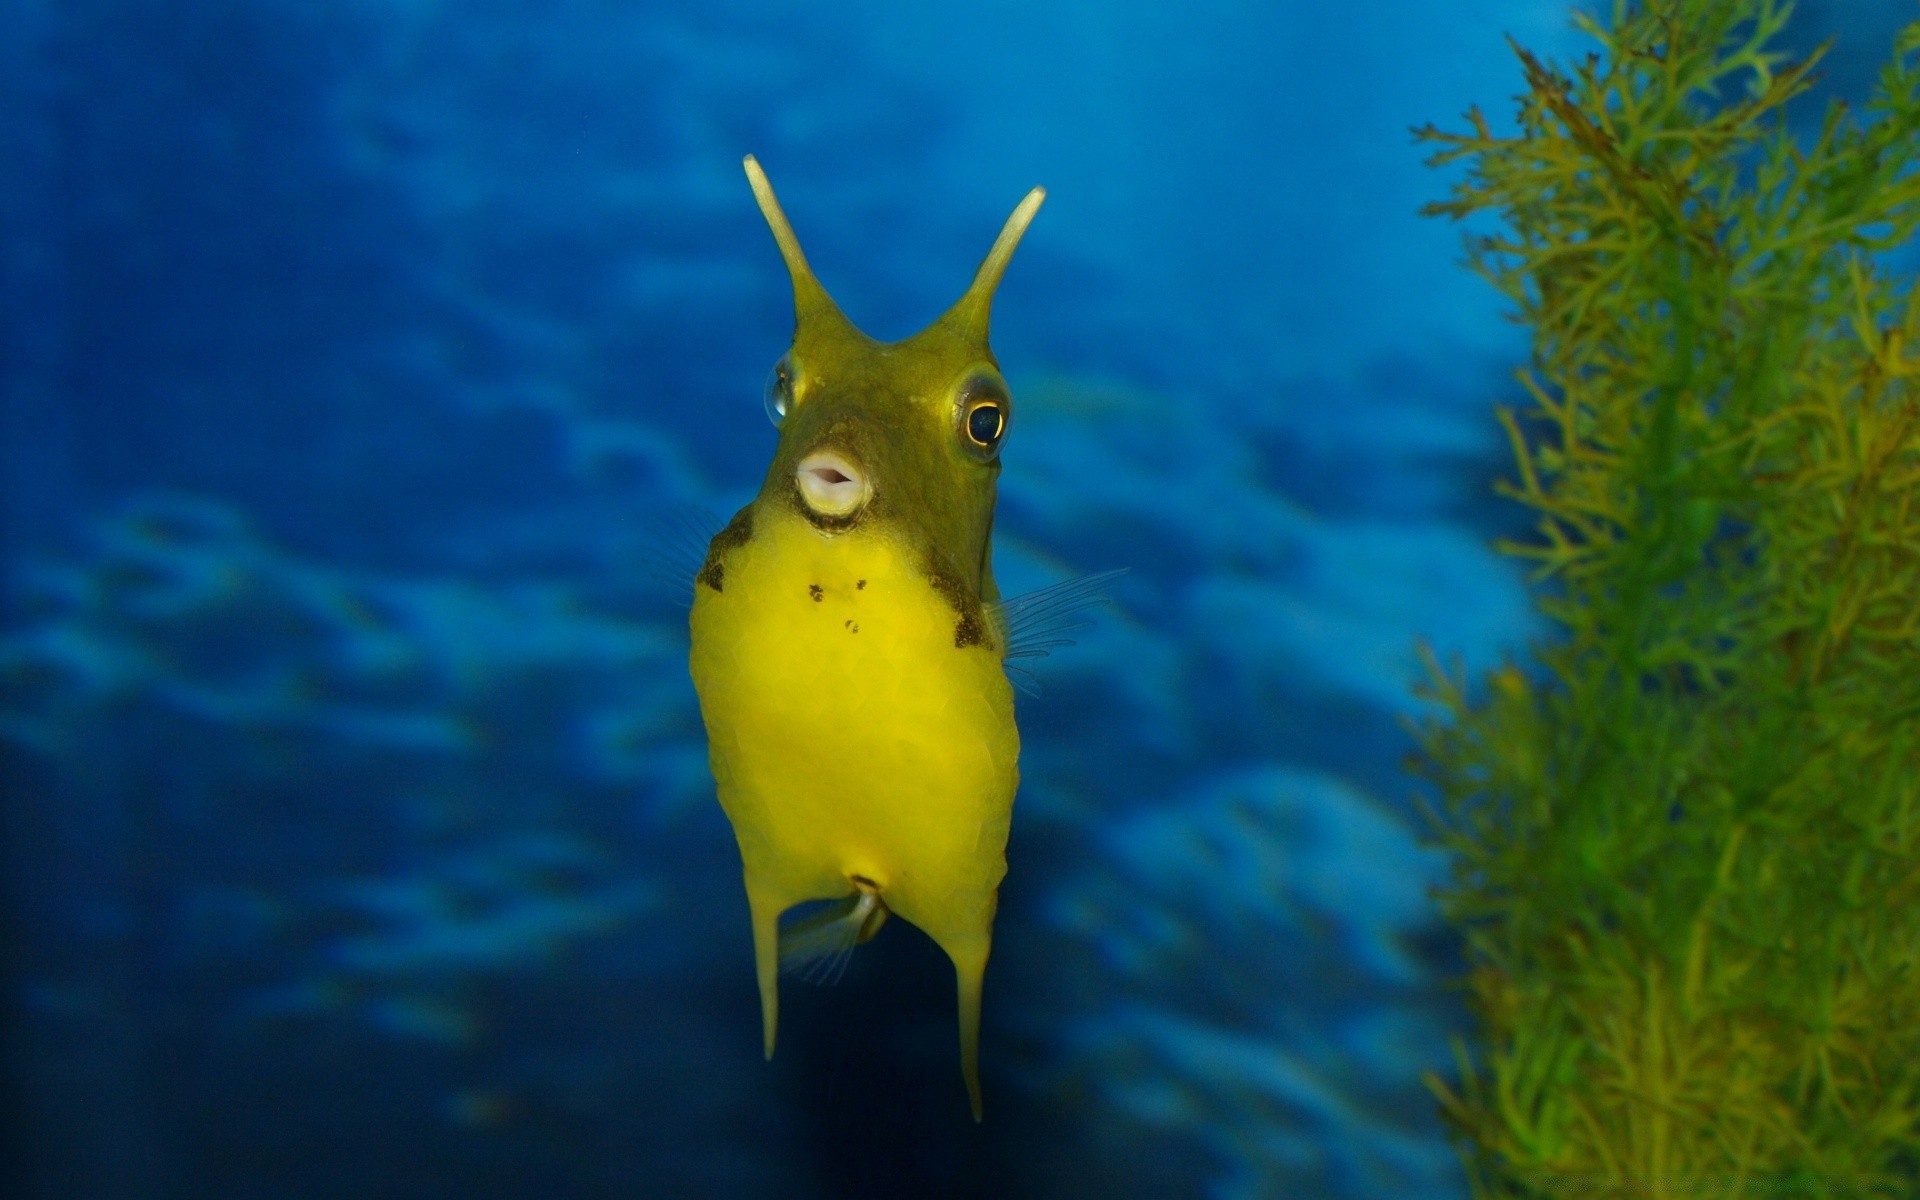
<point x="1686" y="842"/>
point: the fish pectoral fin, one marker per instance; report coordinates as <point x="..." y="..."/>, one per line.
<point x="1033" y="624"/>
<point x="672" y="548"/>
<point x="817" y="946"/>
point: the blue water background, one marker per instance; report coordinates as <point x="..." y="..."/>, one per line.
<point x="359" y="837"/>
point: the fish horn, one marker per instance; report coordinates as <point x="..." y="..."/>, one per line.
<point x="766" y="905"/>
<point x="810" y="301"/>
<point x="970" y="313"/>
<point x="968" y="969"/>
<point x="968" y="952"/>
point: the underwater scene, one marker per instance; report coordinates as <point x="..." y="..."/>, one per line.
<point x="375" y="375"/>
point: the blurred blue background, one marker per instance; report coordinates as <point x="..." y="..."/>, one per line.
<point x="359" y="840"/>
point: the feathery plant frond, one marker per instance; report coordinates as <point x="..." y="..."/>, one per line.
<point x="1687" y="849"/>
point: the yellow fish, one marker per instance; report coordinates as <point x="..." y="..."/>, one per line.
<point x="849" y="643"/>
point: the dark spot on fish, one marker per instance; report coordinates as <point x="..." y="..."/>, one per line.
<point x="813" y="589"/>
<point x="848" y="624"/>
<point x="971" y="630"/>
<point x="859" y="585"/>
<point x="737" y="533"/>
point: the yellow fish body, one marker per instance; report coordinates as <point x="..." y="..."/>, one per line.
<point x="845" y="644"/>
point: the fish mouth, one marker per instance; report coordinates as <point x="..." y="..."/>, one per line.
<point x="831" y="485"/>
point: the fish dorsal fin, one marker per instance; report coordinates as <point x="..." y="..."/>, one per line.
<point x="1034" y="624"/>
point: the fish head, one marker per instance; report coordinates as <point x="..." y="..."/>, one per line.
<point x="900" y="439"/>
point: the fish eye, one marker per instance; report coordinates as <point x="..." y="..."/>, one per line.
<point x="985" y="422"/>
<point x="983" y="415"/>
<point x="779" y="390"/>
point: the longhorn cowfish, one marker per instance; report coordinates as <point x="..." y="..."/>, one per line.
<point x="851" y="651"/>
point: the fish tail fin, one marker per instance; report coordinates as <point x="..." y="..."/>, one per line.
<point x="817" y="946"/>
